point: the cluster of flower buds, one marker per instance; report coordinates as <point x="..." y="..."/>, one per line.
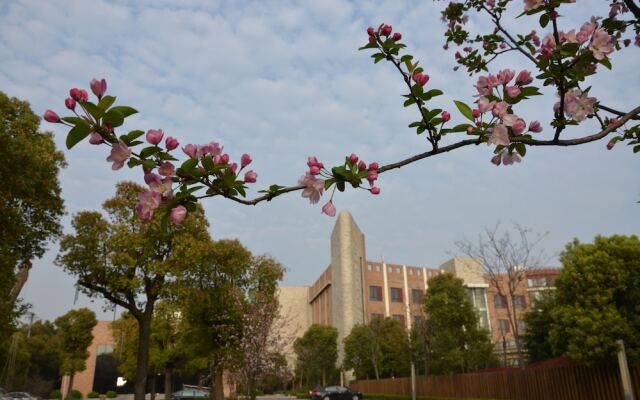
<point x="383" y="30"/>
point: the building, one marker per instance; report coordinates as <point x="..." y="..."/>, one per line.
<point x="354" y="290"/>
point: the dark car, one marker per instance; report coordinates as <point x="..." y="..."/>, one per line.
<point x="18" y="396"/>
<point x="334" y="393"/>
<point x="190" y="393"/>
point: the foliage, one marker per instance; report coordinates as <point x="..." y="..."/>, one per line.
<point x="362" y="352"/>
<point x="394" y="346"/>
<point x="420" y="346"/>
<point x="128" y="262"/>
<point x="75" y="394"/>
<point x="316" y="353"/>
<point x="598" y="298"/>
<point x="74" y="335"/>
<point x="125" y="334"/>
<point x="55" y="394"/>
<point x="538" y="322"/>
<point x="112" y="394"/>
<point x="458" y="343"/>
<point x="93" y="395"/>
<point x="30" y="208"/>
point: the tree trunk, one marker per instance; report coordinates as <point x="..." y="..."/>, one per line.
<point x="21" y="279"/>
<point x="168" y="383"/>
<point x="153" y="386"/>
<point x="70" y="386"/>
<point x="324" y="378"/>
<point x="219" y="387"/>
<point x="142" y="367"/>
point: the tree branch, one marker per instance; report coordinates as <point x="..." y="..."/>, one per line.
<point x="633" y="8"/>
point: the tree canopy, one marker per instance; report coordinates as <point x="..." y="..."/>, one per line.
<point x="317" y="354"/>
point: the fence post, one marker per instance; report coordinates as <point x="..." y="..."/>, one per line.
<point x="624" y="371"/>
<point x="413" y="381"/>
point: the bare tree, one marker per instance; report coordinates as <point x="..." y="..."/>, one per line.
<point x="506" y="258"/>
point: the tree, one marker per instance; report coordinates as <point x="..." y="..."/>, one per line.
<point x="394" y="346"/>
<point x="75" y="334"/>
<point x="129" y="262"/>
<point x="566" y="61"/>
<point x="538" y="321"/>
<point x="459" y="343"/>
<point x="598" y="298"/>
<point x="30" y="208"/>
<point x="362" y="352"/>
<point x="420" y="345"/>
<point x="506" y="261"/>
<point x="316" y="354"/>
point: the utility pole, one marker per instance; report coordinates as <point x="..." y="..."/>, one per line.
<point x="31" y="315"/>
<point x="413" y="381"/>
<point x="624" y="371"/>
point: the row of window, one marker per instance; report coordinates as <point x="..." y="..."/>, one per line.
<point x="504" y="326"/>
<point x="375" y="294"/>
<point x="417" y="319"/>
<point x="501" y="301"/>
<point x="410" y="270"/>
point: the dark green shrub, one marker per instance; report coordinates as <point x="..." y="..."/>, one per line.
<point x="111" y="394"/>
<point x="75" y="394"/>
<point x="93" y="395"/>
<point x="55" y="394"/>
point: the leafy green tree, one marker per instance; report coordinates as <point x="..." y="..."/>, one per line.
<point x="458" y="342"/>
<point x="30" y="201"/>
<point x="362" y="352"/>
<point x="74" y="331"/>
<point x="420" y="346"/>
<point x="128" y="262"/>
<point x="317" y="353"/>
<point x="167" y="353"/>
<point x="394" y="346"/>
<point x="598" y="295"/>
<point x="538" y="322"/>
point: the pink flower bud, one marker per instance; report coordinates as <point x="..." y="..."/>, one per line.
<point x="150" y="178"/>
<point x="469" y="130"/>
<point x="476" y="112"/>
<point x="505" y="76"/>
<point x="613" y="121"/>
<point x="445" y="116"/>
<point x="497" y="159"/>
<point x="191" y="150"/>
<point x="362" y="165"/>
<point x="553" y="15"/>
<point x="513" y="91"/>
<point x="245" y="160"/>
<point x="386" y="30"/>
<point x="250" y="177"/>
<point x="70" y="103"/>
<point x="534" y="126"/>
<point x="233" y="167"/>
<point x="167" y="169"/>
<point x="353" y="158"/>
<point x="171" y="143"/>
<point x="524" y="77"/>
<point x="98" y="87"/>
<point x="370" y="31"/>
<point x="178" y="214"/>
<point x="396" y="36"/>
<point x="611" y="144"/>
<point x="51" y="116"/>
<point x="154" y="136"/>
<point x="314" y="170"/>
<point x="372" y="176"/>
<point x="329" y="209"/>
<point x="373" y="166"/>
<point x="96" y="138"/>
<point x="224" y="159"/>
<point x="626" y="42"/>
<point x="372" y="39"/>
<point x="375" y="190"/>
<point x="518" y="127"/>
<point x="79" y="94"/>
<point x="421" y="79"/>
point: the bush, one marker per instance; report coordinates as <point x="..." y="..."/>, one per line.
<point x="111" y="394"/>
<point x="55" y="394"/>
<point x="93" y="395"/>
<point x="75" y="394"/>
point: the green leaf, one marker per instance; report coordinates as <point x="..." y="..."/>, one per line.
<point x="125" y="110"/>
<point x="106" y="102"/>
<point x="606" y="62"/>
<point x="521" y="149"/>
<point x="464" y="109"/>
<point x="529" y="91"/>
<point x="74" y="120"/>
<point x="76" y="134"/>
<point x="92" y="109"/>
<point x="544" y="20"/>
<point x="114" y="117"/>
<point x="460" y="128"/>
<point x="636" y="148"/>
<point x="431" y="114"/>
<point x="409" y="102"/>
<point x="135" y="134"/>
<point x="149" y="151"/>
<point x="370" y="45"/>
<point x="378" y="57"/>
<point x="431" y="94"/>
<point x="328" y="183"/>
<point x="189" y="165"/>
<point x="340" y="185"/>
<point x="415" y="124"/>
<point x="207" y="162"/>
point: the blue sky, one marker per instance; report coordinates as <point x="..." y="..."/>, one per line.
<point x="284" y="80"/>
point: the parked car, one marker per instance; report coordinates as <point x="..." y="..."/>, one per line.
<point x="18" y="396"/>
<point x="334" y="393"/>
<point x="190" y="393"/>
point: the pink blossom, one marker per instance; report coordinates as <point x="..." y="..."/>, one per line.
<point x="510" y="158"/>
<point x="535" y="38"/>
<point x="518" y="127"/>
<point x="151" y="177"/>
<point x="372" y="39"/>
<point x="212" y="148"/>
<point x="314" y="170"/>
<point x="171" y="143"/>
<point x="353" y="158"/>
<point x="373" y="166"/>
<point x="372" y="176"/>
<point x="524" y="78"/>
<point x="95" y="138"/>
<point x="613" y="121"/>
<point x="421" y="79"/>
<point x="314" y="187"/>
<point x="491" y="3"/>
<point x="586" y="30"/>
<point x="250" y="177"/>
<point x="119" y="154"/>
<point x="500" y="109"/>
<point x="160" y="185"/>
<point x="79" y="94"/>
<point x="505" y="76"/>
<point x="534" y="126"/>
<point x="577" y="105"/>
<point x="499" y="135"/>
<point x="313" y="161"/>
<point x="497" y="159"/>
<point x="569" y="37"/>
<point x="513" y="91"/>
<point x="329" y="209"/>
<point x="154" y="136"/>
<point x="626" y="42"/>
<point x="485" y="105"/>
<point x="245" y="160"/>
<point x="396" y="36"/>
<point x="70" y="103"/>
<point x="148" y="202"/>
<point x="510" y="119"/>
<point x="476" y="112"/>
<point x="637" y="40"/>
<point x="375" y="190"/>
<point x="51" y="116"/>
<point x="362" y="165"/>
<point x="445" y="116"/>
<point x="601" y="44"/>
<point x="224" y="159"/>
<point x="611" y="144"/>
<point x="98" y="87"/>
<point x="548" y="45"/>
<point x="191" y="150"/>
<point x="178" y="214"/>
<point x="370" y="31"/>
<point x="167" y="169"/>
<point x="386" y="30"/>
<point x="484" y="86"/>
<point x="233" y="167"/>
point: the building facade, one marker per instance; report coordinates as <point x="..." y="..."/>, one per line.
<point x="354" y="290"/>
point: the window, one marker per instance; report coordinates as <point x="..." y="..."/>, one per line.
<point x="418" y="320"/>
<point x="369" y="267"/>
<point x="477" y="298"/>
<point x="519" y="303"/>
<point x="503" y="326"/>
<point x="396" y="295"/>
<point x="522" y="327"/>
<point x="533" y="296"/>
<point x="389" y="269"/>
<point x="416" y="296"/>
<point x="398" y="270"/>
<point x="398" y="317"/>
<point x="410" y="271"/>
<point x="418" y="272"/>
<point x="538" y="281"/>
<point x="377" y="268"/>
<point x="375" y="293"/>
<point x="104" y="349"/>
<point x="375" y="316"/>
<point x="500" y="301"/>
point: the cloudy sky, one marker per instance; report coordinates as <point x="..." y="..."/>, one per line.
<point x="284" y="80"/>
